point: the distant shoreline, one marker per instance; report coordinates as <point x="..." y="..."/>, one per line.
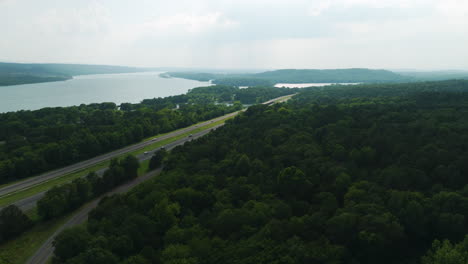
<point x="13" y="80"/>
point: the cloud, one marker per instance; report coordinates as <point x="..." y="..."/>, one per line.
<point x="183" y="23"/>
<point x="319" y="7"/>
<point x="237" y="33"/>
<point x="92" y="19"/>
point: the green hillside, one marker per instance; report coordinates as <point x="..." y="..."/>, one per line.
<point x="325" y="76"/>
<point x="436" y="75"/>
<point x="22" y="73"/>
<point x="296" y="76"/>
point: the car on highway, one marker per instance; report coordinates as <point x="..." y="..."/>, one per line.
<point x="146" y="153"/>
<point x="190" y="135"/>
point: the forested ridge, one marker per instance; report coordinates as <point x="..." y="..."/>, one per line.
<point x="32" y="142"/>
<point x="23" y="73"/>
<point x="365" y="174"/>
<point x="295" y="76"/>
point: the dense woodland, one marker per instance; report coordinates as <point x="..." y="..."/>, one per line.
<point x="32" y="142"/>
<point x="344" y="174"/>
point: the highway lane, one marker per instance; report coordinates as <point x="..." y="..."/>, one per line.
<point x="30" y="202"/>
<point x="27" y="183"/>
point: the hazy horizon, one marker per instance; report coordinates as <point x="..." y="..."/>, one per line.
<point x="237" y="35"/>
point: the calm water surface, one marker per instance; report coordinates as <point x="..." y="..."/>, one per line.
<point x="85" y="89"/>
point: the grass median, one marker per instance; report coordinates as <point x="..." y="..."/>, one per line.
<point x="22" y="194"/>
<point x="144" y="140"/>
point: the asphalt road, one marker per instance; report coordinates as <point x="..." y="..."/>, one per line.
<point x="27" y="183"/>
<point x="30" y="202"/>
<point x="35" y="180"/>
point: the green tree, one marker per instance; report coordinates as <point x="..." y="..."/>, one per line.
<point x="70" y="243"/>
<point x="13" y="222"/>
<point x="444" y="252"/>
<point x="130" y="165"/>
<point x="157" y="159"/>
<point x="292" y="182"/>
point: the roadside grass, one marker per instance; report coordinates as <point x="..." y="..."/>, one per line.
<point x="18" y="250"/>
<point x="144" y="140"/>
<point x="13" y="197"/>
<point x="22" y="194"/>
<point x="194" y="125"/>
<point x="144" y="167"/>
<point x="172" y="139"/>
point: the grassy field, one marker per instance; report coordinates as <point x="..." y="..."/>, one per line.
<point x="11" y="198"/>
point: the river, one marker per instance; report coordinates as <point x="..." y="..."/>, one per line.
<point x="85" y="89"/>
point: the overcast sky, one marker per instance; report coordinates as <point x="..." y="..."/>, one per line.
<point x="391" y="34"/>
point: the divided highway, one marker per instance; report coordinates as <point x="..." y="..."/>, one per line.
<point x="30" y="202"/>
<point x="105" y="157"/>
<point x="44" y="253"/>
<point x="35" y="180"/>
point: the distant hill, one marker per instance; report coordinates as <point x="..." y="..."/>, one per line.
<point x="297" y="76"/>
<point x="22" y="73"/>
<point x="435" y="75"/>
<point x="325" y="76"/>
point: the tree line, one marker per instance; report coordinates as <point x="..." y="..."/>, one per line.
<point x="65" y="198"/>
<point x="363" y="178"/>
<point x="270" y="78"/>
<point x="32" y="142"/>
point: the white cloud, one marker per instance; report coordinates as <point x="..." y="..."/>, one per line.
<point x="454" y="10"/>
<point x="319" y="7"/>
<point x="237" y="33"/>
<point x="189" y="23"/>
<point x="380" y="3"/>
<point x="92" y="19"/>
